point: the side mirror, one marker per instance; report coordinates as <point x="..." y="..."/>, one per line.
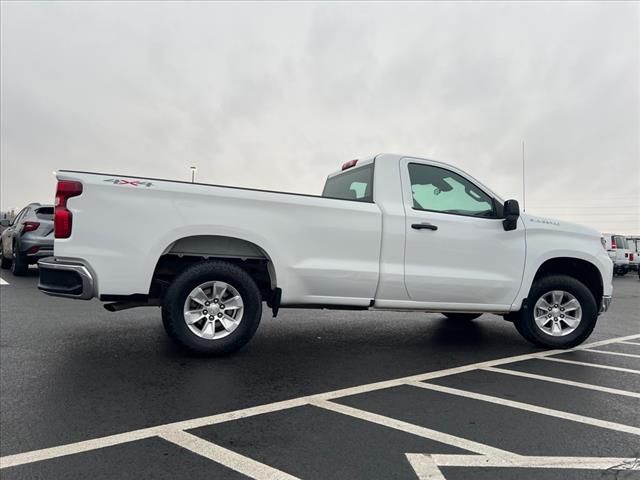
<point x="511" y="213"/>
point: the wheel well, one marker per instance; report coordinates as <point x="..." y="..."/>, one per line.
<point x="581" y="270"/>
<point x="188" y="251"/>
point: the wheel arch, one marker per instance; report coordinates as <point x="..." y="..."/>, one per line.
<point x="188" y="250"/>
<point x="578" y="268"/>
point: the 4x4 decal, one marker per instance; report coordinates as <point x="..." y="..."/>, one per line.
<point x="133" y="183"/>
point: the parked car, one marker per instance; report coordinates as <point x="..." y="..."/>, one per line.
<point x="633" y="243"/>
<point x="27" y="239"/>
<point x="389" y="232"/>
<point x="4" y="223"/>
<point x="616" y="246"/>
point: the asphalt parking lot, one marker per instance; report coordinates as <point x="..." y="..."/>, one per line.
<point x="317" y="395"/>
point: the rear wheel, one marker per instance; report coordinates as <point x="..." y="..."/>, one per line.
<point x="561" y="313"/>
<point x="212" y="308"/>
<point x="462" y="317"/>
<point x="19" y="264"/>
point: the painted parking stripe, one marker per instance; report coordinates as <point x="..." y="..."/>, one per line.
<point x="562" y="381"/>
<point x="530" y="408"/>
<point x="245" y="465"/>
<point x="594" y="365"/>
<point x="417" y="430"/>
<point x="545" y="355"/>
<point x="3" y="281"/>
<point x="427" y="466"/>
<point x="620" y="354"/>
<point x="93" y="444"/>
<point x="630" y="343"/>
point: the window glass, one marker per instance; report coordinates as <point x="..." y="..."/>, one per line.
<point x="45" y="213"/>
<point x="621" y="242"/>
<point x="356" y="184"/>
<point x="440" y="190"/>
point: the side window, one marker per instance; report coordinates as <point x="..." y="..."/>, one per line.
<point x="439" y="190"/>
<point x="356" y="184"/>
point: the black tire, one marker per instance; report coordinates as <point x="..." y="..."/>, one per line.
<point x="181" y="287"/>
<point x="19" y="264"/>
<point x="527" y="327"/>
<point x="5" y="263"/>
<point x="462" y="317"/>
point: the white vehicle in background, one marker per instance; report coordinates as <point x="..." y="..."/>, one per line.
<point x="390" y="232"/>
<point x="633" y="243"/>
<point x="616" y="246"/>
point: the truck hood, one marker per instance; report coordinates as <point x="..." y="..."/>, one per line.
<point x="534" y="222"/>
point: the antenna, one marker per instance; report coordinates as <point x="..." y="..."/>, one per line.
<point x="524" y="185"/>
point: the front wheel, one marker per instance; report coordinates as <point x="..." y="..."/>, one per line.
<point x="561" y="313"/>
<point x="5" y="263"/>
<point x="212" y="308"/>
<point x="462" y="317"/>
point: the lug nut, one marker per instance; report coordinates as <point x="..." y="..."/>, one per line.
<point x="215" y="300"/>
<point x="220" y="314"/>
<point x="207" y="304"/>
<point x="562" y="309"/>
<point x="211" y="317"/>
<point x="222" y="306"/>
<point x="561" y="316"/>
<point x="204" y="312"/>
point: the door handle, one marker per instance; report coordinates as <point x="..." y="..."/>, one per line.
<point x="423" y="226"/>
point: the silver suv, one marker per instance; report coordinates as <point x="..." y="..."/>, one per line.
<point x="27" y="239"/>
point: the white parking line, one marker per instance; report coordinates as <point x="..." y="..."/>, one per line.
<point x="3" y="281"/>
<point x="594" y="365"/>
<point x="607" y="352"/>
<point x="245" y="465"/>
<point x="417" y="430"/>
<point x="562" y="381"/>
<point x="587" y="463"/>
<point x="93" y="444"/>
<point x="529" y="408"/>
<point x="427" y="466"/>
<point x="631" y="343"/>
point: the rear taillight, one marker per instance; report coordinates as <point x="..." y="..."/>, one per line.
<point x="30" y="227"/>
<point x="63" y="218"/>
<point x="631" y="256"/>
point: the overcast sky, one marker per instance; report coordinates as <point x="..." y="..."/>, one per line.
<point x="278" y="95"/>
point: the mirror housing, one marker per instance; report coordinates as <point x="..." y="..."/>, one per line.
<point x="511" y="212"/>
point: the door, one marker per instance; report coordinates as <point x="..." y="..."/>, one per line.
<point x="9" y="234"/>
<point x="457" y="253"/>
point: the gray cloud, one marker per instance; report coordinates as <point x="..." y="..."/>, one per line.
<point x="278" y="95"/>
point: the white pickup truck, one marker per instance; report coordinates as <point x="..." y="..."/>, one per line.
<point x="390" y="232"/>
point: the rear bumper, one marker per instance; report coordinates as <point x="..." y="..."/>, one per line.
<point x="34" y="255"/>
<point x="36" y="247"/>
<point x="606" y="302"/>
<point x="66" y="277"/>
